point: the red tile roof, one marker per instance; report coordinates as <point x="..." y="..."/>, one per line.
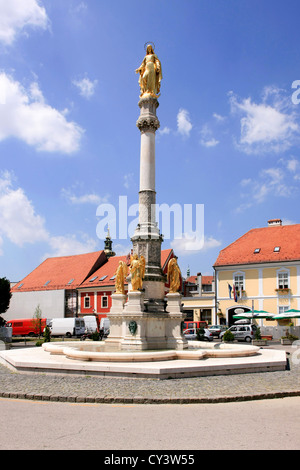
<point x="205" y="279"/>
<point x="192" y="279"/>
<point x="78" y="268"/>
<point x="60" y="271"/>
<point x="106" y="271"/>
<point x="109" y="270"/>
<point x="287" y="237"/>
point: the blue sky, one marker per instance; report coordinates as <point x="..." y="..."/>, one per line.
<point x="230" y="120"/>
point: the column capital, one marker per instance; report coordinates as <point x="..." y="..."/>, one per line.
<point x="148" y="120"/>
<point x="148" y="123"/>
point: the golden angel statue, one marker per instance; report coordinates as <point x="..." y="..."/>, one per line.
<point x="121" y="274"/>
<point x="137" y="270"/>
<point x="174" y="276"/>
<point x="150" y="74"/>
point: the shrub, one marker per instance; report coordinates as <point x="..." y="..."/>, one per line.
<point x="257" y="334"/>
<point x="200" y="334"/>
<point x="95" y="336"/>
<point x="290" y="337"/>
<point x="228" y="336"/>
<point x="47" y="334"/>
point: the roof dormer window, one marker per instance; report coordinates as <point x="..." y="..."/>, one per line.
<point x="276" y="249"/>
<point x="257" y="250"/>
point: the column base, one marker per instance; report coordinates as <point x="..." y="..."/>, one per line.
<point x="134" y="328"/>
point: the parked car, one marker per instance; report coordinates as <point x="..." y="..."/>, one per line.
<point x="216" y="330"/>
<point x="67" y="327"/>
<point x="191" y="334"/>
<point x="91" y="324"/>
<point x="194" y="324"/>
<point x="242" y="332"/>
<point x="105" y="326"/>
<point x="27" y="326"/>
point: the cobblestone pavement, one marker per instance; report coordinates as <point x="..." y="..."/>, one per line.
<point x="123" y="390"/>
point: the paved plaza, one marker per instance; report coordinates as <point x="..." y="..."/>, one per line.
<point x="93" y="389"/>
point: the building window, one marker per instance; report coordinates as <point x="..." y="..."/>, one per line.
<point x="104" y="301"/>
<point x="207" y="287"/>
<point x="87" y="302"/>
<point x="206" y="315"/>
<point x="283" y="280"/>
<point x="239" y="282"/>
<point x="282" y="309"/>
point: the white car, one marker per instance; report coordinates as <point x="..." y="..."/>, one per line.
<point x="242" y="332"/>
<point x="191" y="333"/>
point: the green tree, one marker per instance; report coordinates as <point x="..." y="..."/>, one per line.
<point x="5" y="296"/>
<point x="37" y="320"/>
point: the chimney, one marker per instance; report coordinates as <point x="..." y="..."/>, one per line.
<point x="274" y="222"/>
<point x="199" y="283"/>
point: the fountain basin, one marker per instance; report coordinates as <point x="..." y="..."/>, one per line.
<point x="92" y="358"/>
<point x="98" y="351"/>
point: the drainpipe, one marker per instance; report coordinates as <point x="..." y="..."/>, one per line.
<point x="216" y="297"/>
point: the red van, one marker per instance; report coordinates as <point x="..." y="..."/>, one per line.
<point x="27" y="326"/>
<point x="194" y="324"/>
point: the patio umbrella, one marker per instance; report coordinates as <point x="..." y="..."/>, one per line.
<point x="292" y="313"/>
<point x="245" y="315"/>
<point x="263" y="314"/>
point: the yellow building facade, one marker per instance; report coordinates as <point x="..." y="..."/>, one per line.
<point x="199" y="300"/>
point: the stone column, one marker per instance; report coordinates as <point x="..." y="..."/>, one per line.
<point x="147" y="239"/>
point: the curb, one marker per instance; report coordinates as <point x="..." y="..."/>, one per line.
<point x="147" y="400"/>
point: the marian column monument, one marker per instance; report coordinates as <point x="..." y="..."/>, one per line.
<point x="147" y="319"/>
<point x="147" y="240"/>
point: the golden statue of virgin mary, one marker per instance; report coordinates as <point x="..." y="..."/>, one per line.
<point x="150" y="74"/>
<point x="174" y="276"/>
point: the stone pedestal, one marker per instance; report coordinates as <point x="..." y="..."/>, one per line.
<point x="117" y="303"/>
<point x="134" y="328"/>
<point x="174" y="324"/>
<point x="135" y="302"/>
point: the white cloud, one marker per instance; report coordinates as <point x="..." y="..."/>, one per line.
<point x="20" y="224"/>
<point x="288" y="222"/>
<point x="293" y="165"/>
<point x="192" y="242"/>
<point x="18" y="220"/>
<point x="86" y="87"/>
<point x="81" y="7"/>
<point x="122" y="250"/>
<point x="207" y="139"/>
<point x="165" y="131"/>
<point x="184" y="125"/>
<point x="128" y="180"/>
<point x="270" y="182"/>
<point x="25" y="115"/>
<point x="218" y="117"/>
<point x="17" y="15"/>
<point x="89" y="198"/>
<point x="245" y="181"/>
<point x="266" y="127"/>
